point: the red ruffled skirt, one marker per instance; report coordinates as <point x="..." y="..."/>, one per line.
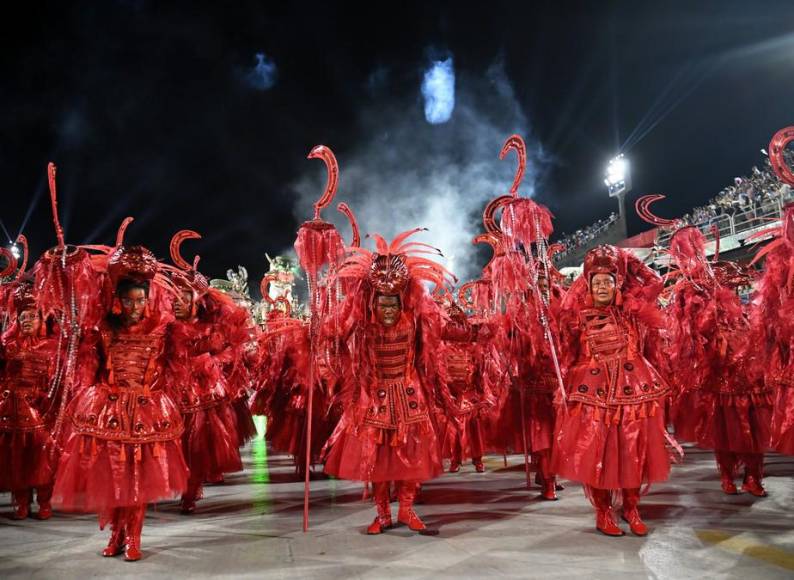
<point x="246" y="428"/>
<point x="464" y="438"/>
<point x="782" y="437"/>
<point x="285" y="432"/>
<point x="373" y="454"/>
<point x="27" y="459"/>
<point x="210" y="441"/>
<point x="286" y="428"/>
<point x="97" y="475"/>
<point x="737" y="423"/>
<point x="605" y="455"/>
<point x="539" y="419"/>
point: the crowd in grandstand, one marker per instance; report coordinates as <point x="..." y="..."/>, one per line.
<point x="585" y="236"/>
<point x="747" y="194"/>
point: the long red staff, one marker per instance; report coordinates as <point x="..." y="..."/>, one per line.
<point x="525" y="222"/>
<point x="11" y="263"/>
<point x="318" y="245"/>
<point x="23" y="242"/>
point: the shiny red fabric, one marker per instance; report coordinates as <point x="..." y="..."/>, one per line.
<point x="720" y="400"/>
<point x="28" y="459"/>
<point x="506" y="435"/>
<point x="210" y="442"/>
<point x="773" y="335"/>
<point x="533" y="378"/>
<point x="195" y="377"/>
<point x="27" y="450"/>
<point x="470" y="380"/>
<point x="738" y="423"/>
<point x="56" y="281"/>
<point x="387" y="431"/>
<point x="612" y="433"/>
<point x="371" y="454"/>
<point x="122" y="430"/>
<point x="236" y="336"/>
<point x="782" y="436"/>
<point x="608" y="456"/>
<point x="97" y="475"/>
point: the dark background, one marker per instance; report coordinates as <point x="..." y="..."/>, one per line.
<point x="146" y="110"/>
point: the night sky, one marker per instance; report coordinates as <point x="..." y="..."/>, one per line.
<point x="159" y="112"/>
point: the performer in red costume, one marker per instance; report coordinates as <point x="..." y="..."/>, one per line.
<point x="283" y="380"/>
<point x="465" y="372"/>
<point x="719" y="404"/>
<point x="8" y="267"/>
<point x="773" y="315"/>
<point x="541" y="382"/>
<point x="392" y="334"/>
<point x="519" y="274"/>
<point x="27" y="364"/>
<point x="773" y="330"/>
<point x="611" y="433"/>
<point x="196" y="353"/>
<point x="122" y="431"/>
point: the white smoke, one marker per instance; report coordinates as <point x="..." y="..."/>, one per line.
<point x="438" y="90"/>
<point x="263" y="75"/>
<point x="406" y="173"/>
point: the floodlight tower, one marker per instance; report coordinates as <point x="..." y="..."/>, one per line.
<point x="618" y="182"/>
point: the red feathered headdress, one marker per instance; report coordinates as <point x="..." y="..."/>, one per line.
<point x="393" y="266"/>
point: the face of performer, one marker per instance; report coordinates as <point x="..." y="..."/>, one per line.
<point x="602" y="287"/>
<point x="183" y="305"/>
<point x="133" y="304"/>
<point x="543" y="285"/>
<point x="29" y="322"/>
<point x="387" y="310"/>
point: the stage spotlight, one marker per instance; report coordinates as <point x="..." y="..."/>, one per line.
<point x="15" y="251"/>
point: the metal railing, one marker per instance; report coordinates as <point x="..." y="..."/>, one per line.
<point x="743" y="221"/>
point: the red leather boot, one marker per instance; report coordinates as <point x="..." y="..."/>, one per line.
<point x="477" y="446"/>
<point x="549" y="492"/>
<point x="631" y="513"/>
<point x="191" y="495"/>
<point x="382" y="504"/>
<point x="406" y="514"/>
<point x="116" y="543"/>
<point x="548" y="482"/>
<point x="605" y="518"/>
<point x="43" y="497"/>
<point x="132" y="538"/>
<point x="754" y="474"/>
<point x="21" y="501"/>
<point x="726" y="461"/>
<point x="454" y="463"/>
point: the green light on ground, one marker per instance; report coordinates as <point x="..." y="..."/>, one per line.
<point x="260" y="421"/>
<point x="260" y="472"/>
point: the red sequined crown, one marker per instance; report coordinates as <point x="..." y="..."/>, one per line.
<point x="134" y="262"/>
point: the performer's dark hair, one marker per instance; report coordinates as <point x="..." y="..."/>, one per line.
<point x="126" y="284"/>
